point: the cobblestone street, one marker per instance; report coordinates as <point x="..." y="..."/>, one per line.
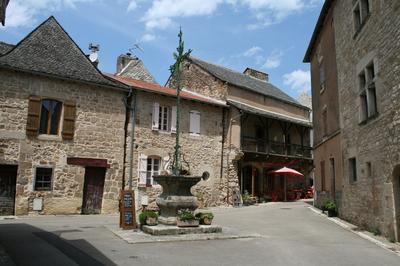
<point x="290" y="234"/>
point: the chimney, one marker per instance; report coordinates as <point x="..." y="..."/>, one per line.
<point x="123" y="60"/>
<point x="256" y="74"/>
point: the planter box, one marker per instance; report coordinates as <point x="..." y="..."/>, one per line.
<point x="151" y="221"/>
<point x="187" y="223"/>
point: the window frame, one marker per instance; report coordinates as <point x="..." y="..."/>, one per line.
<point x="164" y="110"/>
<point x="353" y="178"/>
<point x="367" y="93"/>
<point x="50" y="118"/>
<point x="194" y="112"/>
<point x="50" y="188"/>
<point x="150" y="173"/>
<point x="363" y="10"/>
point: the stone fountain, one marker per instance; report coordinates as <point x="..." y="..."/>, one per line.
<point x="176" y="195"/>
<point x="176" y="184"/>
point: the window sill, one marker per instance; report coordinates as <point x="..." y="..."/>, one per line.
<point x="194" y="136"/>
<point x="49" y="137"/>
<point x="369" y="119"/>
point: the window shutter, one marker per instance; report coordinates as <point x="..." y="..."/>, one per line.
<point x="173" y="119"/>
<point x="69" y="121"/>
<point x="156" y="114"/>
<point x="33" y="121"/>
<point x="165" y="163"/>
<point x="142" y="169"/>
<point x="194" y="123"/>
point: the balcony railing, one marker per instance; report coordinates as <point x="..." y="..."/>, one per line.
<point x="273" y="147"/>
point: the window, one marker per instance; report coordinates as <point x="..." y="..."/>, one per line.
<point x="352" y="170"/>
<point x="368" y="105"/>
<point x="322" y="78"/>
<point x="333" y="174"/>
<point x="43" y="179"/>
<point x="324" y="122"/>
<point x="50" y="115"/>
<point x="323" y="187"/>
<point x="369" y="169"/>
<point x="164" y="118"/>
<point x="149" y="166"/>
<point x="194" y="128"/>
<point x="361" y="12"/>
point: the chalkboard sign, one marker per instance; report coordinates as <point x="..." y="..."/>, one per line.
<point x="128" y="200"/>
<point x="127" y="219"/>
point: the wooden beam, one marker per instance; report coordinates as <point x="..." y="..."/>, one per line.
<point x="88" y="162"/>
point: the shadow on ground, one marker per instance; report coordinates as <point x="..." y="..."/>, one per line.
<point x="29" y="245"/>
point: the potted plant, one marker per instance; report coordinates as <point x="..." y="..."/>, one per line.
<point x="186" y="218"/>
<point x="330" y="206"/>
<point x="148" y="218"/>
<point x="205" y="217"/>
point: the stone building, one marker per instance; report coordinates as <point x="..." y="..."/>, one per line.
<point x="155" y="127"/>
<point x="264" y="129"/>
<point x="325" y="105"/>
<point x="367" y="45"/>
<point x="61" y="128"/>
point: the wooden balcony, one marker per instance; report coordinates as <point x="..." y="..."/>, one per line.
<point x="250" y="144"/>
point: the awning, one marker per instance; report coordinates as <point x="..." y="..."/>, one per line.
<point x="258" y="111"/>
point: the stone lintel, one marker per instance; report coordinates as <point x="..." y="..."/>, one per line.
<point x="88" y="162"/>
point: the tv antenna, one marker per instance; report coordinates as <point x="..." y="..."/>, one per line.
<point x="94" y="56"/>
<point x="136" y="46"/>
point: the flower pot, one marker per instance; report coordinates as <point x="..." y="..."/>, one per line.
<point x="206" y="221"/>
<point x="151" y="221"/>
<point x="331" y="213"/>
<point x="187" y="223"/>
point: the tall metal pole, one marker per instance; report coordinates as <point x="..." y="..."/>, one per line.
<point x="176" y="69"/>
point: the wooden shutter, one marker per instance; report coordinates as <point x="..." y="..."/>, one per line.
<point x="33" y="121"/>
<point x="142" y="169"/>
<point x="165" y="163"/>
<point x="173" y="119"/>
<point x="156" y="114"/>
<point x="194" y="123"/>
<point x="69" y="121"/>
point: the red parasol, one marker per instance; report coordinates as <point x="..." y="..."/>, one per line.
<point x="286" y="171"/>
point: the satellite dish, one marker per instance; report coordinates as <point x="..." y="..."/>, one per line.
<point x="94" y="57"/>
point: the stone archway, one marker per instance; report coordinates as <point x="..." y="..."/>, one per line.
<point x="396" y="198"/>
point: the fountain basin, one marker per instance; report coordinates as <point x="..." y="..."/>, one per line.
<point x="176" y="195"/>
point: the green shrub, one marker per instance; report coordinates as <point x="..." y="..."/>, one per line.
<point x="186" y="215"/>
<point x="143" y="216"/>
<point x="202" y="215"/>
<point x="329" y="205"/>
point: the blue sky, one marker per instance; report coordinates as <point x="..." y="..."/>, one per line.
<point x="269" y="35"/>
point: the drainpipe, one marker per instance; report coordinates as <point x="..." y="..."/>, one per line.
<point x="133" y="122"/>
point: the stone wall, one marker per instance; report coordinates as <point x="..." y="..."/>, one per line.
<point x="99" y="133"/>
<point x="203" y="153"/>
<point x="369" y="201"/>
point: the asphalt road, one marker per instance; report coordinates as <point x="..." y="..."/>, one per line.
<point x="291" y="235"/>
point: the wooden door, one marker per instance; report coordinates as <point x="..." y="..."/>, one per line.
<point x="8" y="177"/>
<point x="93" y="190"/>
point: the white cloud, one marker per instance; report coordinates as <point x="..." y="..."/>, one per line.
<point x="255" y="50"/>
<point x="21" y="13"/>
<point x="148" y="37"/>
<point x="273" y="60"/>
<point x="161" y="12"/>
<point x="298" y="80"/>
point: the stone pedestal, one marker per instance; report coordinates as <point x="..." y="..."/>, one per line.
<point x="176" y="195"/>
<point x="164" y="230"/>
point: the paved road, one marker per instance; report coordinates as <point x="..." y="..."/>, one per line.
<point x="292" y="235"/>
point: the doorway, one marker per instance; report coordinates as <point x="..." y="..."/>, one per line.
<point x="93" y="190"/>
<point x="396" y="196"/>
<point x="8" y="177"/>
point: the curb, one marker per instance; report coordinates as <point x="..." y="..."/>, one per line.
<point x="353" y="228"/>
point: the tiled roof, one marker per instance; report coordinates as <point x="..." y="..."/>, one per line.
<point x="49" y="50"/>
<point x="245" y="81"/>
<point x="258" y="111"/>
<point x="5" y="47"/>
<point x="155" y="88"/>
<point x="135" y="69"/>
